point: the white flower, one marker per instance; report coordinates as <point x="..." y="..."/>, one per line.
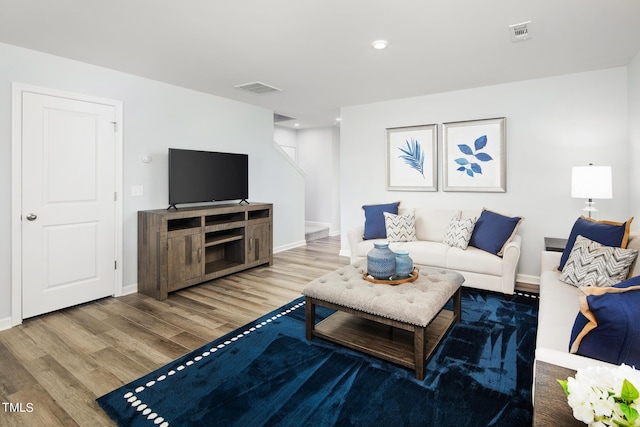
<point x="598" y="397"/>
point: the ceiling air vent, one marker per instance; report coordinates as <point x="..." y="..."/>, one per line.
<point x="520" y="32"/>
<point x="258" y="87"/>
<point x="277" y="118"/>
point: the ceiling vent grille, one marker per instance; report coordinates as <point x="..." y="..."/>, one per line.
<point x="520" y="32"/>
<point x="258" y="87"/>
<point x="277" y="118"/>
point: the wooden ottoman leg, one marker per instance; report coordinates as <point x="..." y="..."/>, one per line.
<point x="419" y="351"/>
<point x="457" y="305"/>
<point x="310" y="317"/>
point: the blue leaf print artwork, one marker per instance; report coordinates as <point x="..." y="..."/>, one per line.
<point x="413" y="155"/>
<point x="470" y="166"/>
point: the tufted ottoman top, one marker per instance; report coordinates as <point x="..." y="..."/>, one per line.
<point x="416" y="303"/>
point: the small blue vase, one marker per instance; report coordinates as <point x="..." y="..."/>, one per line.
<point x="404" y="264"/>
<point x="381" y="261"/>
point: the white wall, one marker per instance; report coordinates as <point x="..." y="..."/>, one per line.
<point x="335" y="182"/>
<point x="287" y="139"/>
<point x="552" y="124"/>
<point x="318" y="155"/>
<point x="285" y="136"/>
<point x="633" y="72"/>
<point x="156" y="116"/>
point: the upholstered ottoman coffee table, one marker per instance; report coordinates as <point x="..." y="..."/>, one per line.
<point x="402" y="324"/>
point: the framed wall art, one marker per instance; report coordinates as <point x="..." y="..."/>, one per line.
<point x="412" y="158"/>
<point x="474" y="155"/>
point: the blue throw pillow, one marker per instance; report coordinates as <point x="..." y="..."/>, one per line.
<point x="608" y="325"/>
<point x="493" y="231"/>
<point x="374" y="227"/>
<point x="607" y="233"/>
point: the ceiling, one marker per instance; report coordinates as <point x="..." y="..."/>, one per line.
<point x="319" y="52"/>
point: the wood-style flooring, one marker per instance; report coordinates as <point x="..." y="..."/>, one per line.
<point x="54" y="366"/>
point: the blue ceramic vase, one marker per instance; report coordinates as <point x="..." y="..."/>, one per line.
<point x="404" y="264"/>
<point x="381" y="261"/>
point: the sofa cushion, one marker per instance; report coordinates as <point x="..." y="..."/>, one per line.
<point x="593" y="264"/>
<point x="363" y="247"/>
<point x="493" y="231"/>
<point x="459" y="232"/>
<point x="608" y="325"/>
<point x="374" y="227"/>
<point x="433" y="254"/>
<point x="608" y="233"/>
<point x="432" y="223"/>
<point x="557" y="311"/>
<point x="400" y="228"/>
<point x="474" y="260"/>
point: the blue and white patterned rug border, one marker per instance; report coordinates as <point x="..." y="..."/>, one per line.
<point x="528" y="294"/>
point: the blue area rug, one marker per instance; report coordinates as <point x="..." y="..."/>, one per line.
<point x="268" y="374"/>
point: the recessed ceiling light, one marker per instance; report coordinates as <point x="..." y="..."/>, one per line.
<point x="380" y="44"/>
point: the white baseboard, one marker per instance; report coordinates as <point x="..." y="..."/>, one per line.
<point x="318" y="224"/>
<point x="5" y="324"/>
<point x="130" y="289"/>
<point x="289" y="246"/>
<point x="527" y="278"/>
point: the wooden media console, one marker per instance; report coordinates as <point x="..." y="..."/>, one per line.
<point x="187" y="246"/>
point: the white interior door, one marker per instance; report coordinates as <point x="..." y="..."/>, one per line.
<point x="68" y="202"/>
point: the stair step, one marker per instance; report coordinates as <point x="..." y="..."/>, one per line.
<point x="315" y="232"/>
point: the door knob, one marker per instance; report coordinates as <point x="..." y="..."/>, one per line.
<point x="32" y="217"/>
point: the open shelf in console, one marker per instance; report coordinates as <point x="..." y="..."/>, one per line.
<point x="224" y="236"/>
<point x="223" y="218"/>
<point x="225" y="255"/>
<point x="259" y="213"/>
<point x="183" y="223"/>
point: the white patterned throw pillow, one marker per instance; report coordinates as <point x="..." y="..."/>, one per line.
<point x="459" y="232"/>
<point x="593" y="264"/>
<point x="400" y="228"/>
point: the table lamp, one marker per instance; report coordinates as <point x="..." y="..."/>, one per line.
<point x="591" y="182"/>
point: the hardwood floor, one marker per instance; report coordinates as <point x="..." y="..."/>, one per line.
<point x="53" y="367"/>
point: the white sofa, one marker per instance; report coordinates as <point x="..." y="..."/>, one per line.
<point x="558" y="310"/>
<point x="481" y="269"/>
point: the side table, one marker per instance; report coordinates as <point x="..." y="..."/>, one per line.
<point x="550" y="407"/>
<point x="555" y="244"/>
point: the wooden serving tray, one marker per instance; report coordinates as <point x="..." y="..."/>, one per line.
<point x="412" y="278"/>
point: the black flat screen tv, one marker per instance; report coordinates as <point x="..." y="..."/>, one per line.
<point x="207" y="176"/>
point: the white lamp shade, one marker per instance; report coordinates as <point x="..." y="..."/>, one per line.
<point x="591" y="182"/>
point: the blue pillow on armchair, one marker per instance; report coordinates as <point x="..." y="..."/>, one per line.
<point x="374" y="226"/>
<point x="608" y="325"/>
<point x="607" y="233"/>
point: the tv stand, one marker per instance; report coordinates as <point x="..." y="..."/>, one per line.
<point x="180" y="248"/>
<point x="243" y="200"/>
